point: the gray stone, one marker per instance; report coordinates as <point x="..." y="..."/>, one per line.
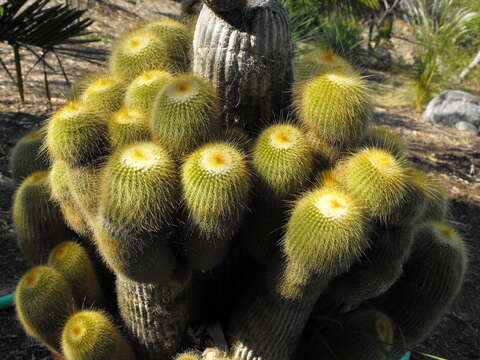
<point x="453" y="106"/>
<point x="466" y="126"/>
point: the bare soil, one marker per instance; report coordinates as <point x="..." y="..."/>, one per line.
<point x="452" y="155"/>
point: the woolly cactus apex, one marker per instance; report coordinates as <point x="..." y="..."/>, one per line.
<point x="381" y="138"/>
<point x="317" y="62"/>
<point x="78" y="88"/>
<point x="189" y="355"/>
<point x="127" y="126"/>
<point x="362" y="335"/>
<point x="91" y="335"/>
<point x="247" y="55"/>
<point x="38" y="221"/>
<point x="72" y="261"/>
<point x="139" y="188"/>
<point x="336" y="107"/>
<point x="283" y="159"/>
<point x="105" y="94"/>
<point x="377" y="269"/>
<point x="177" y="39"/>
<point x="138" y="51"/>
<point x="376" y="178"/>
<point x="77" y="135"/>
<point x="27" y="157"/>
<point x="185" y="114"/>
<point x="59" y="185"/>
<point x="434" y="274"/>
<point x="44" y="301"/>
<point x="327" y="178"/>
<point x="326" y="232"/>
<point x="216" y="186"/>
<point x="144" y="88"/>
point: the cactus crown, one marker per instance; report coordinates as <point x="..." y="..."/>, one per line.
<point x="336" y="222"/>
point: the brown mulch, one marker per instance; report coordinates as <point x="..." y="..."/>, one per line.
<point x="452" y="155"/>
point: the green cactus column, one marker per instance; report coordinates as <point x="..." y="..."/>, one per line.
<point x="324" y="236"/>
<point x="245" y="49"/>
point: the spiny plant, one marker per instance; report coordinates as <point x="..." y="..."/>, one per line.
<point x="91" y="335"/>
<point x="72" y="261"/>
<point x="335" y="106"/>
<point x="37" y="219"/>
<point x="27" y="157"/>
<point x="212" y="205"/>
<point x="127" y="126"/>
<point x="44" y="301"/>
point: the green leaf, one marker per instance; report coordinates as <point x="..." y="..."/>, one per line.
<point x="431" y="356"/>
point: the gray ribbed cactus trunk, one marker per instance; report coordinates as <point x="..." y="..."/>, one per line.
<point x="155" y="316"/>
<point x="244" y="48"/>
<point x="270" y="328"/>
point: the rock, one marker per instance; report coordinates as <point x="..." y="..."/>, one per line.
<point x="452" y="107"/>
<point x="466" y="126"/>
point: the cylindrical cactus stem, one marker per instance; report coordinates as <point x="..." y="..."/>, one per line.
<point x="432" y="278"/>
<point x="376" y="271"/>
<point x="317" y="62"/>
<point x="141" y="92"/>
<point x="283" y="160"/>
<point x="72" y="261"/>
<point x="325" y="236"/>
<point x="83" y="183"/>
<point x="37" y="219"/>
<point x="105" y="94"/>
<point x="178" y="40"/>
<point x="216" y="186"/>
<point x="127" y="126"/>
<point x="91" y="335"/>
<point x="77" y="134"/>
<point x="61" y="194"/>
<point x="135" y="215"/>
<point x="247" y="55"/>
<point x="269" y="329"/>
<point x="336" y="106"/>
<point x="138" y="51"/>
<point x="155" y="315"/>
<point x="362" y="335"/>
<point x="185" y="114"/>
<point x="376" y="178"/>
<point x="44" y="301"/>
<point x="27" y="156"/>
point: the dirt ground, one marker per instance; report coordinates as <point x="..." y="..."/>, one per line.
<point x="452" y="155"/>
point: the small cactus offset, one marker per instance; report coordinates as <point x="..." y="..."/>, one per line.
<point x="220" y="201"/>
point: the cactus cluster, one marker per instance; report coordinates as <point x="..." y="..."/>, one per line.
<point x="317" y="215"/>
